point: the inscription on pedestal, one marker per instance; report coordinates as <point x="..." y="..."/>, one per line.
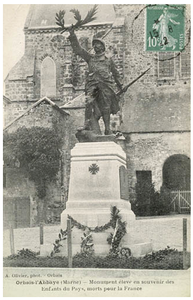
<point x="124" y="191"/>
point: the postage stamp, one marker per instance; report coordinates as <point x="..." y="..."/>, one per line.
<point x="165" y="30"/>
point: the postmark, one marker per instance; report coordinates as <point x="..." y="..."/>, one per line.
<point x="165" y="28"/>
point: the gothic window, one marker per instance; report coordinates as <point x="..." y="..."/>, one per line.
<point x="185" y="64"/>
<point x="48" y="78"/>
<point x="166" y="67"/>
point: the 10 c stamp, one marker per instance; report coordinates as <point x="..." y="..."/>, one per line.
<point x="165" y="28"/>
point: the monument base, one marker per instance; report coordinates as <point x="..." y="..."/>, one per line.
<point x="97" y="213"/>
<point x="101" y="248"/>
<point x="98" y="181"/>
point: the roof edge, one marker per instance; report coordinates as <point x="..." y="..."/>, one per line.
<point x="6" y="99"/>
<point x="51" y="27"/>
<point x="34" y="105"/>
<point x="29" y="16"/>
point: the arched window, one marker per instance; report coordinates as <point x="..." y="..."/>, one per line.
<point x="48" y="78"/>
<point x="176" y="172"/>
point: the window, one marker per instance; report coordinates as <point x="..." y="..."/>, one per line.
<point x="185" y="64"/>
<point x="48" y="78"/>
<point x="166" y="67"/>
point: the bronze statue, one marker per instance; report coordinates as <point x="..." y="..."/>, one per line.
<point x="101" y="99"/>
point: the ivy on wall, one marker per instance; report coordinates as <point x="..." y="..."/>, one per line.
<point x="37" y="151"/>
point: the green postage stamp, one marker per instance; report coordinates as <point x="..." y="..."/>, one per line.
<point x="165" y="28"/>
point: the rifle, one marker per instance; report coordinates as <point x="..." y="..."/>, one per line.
<point x="132" y="82"/>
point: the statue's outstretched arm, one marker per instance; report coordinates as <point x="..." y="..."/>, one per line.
<point x="77" y="48"/>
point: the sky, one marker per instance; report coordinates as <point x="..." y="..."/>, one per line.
<point x="14" y="16"/>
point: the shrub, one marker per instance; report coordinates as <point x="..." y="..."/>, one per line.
<point x="24" y="253"/>
<point x="149" y="202"/>
<point x="146" y="196"/>
<point x="164" y="259"/>
<point x="165" y="199"/>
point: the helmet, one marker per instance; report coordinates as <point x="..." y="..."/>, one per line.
<point x="98" y="40"/>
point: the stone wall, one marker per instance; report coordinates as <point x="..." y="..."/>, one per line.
<point x="148" y="152"/>
<point x="14" y="110"/>
<point x="152" y="95"/>
<point x="19" y="90"/>
<point x="155" y="110"/>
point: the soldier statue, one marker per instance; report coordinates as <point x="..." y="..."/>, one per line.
<point x="100" y="97"/>
<point x="101" y="100"/>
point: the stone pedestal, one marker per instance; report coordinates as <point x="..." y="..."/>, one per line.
<point x="98" y="181"/>
<point x="95" y="184"/>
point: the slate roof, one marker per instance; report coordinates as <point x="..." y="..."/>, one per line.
<point x="43" y="15"/>
<point x="23" y="68"/>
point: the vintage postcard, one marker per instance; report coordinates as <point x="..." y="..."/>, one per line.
<point x="96" y="150"/>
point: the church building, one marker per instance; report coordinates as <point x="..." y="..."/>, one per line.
<point x="154" y="113"/>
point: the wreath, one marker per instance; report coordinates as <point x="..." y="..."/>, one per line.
<point x="113" y="240"/>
